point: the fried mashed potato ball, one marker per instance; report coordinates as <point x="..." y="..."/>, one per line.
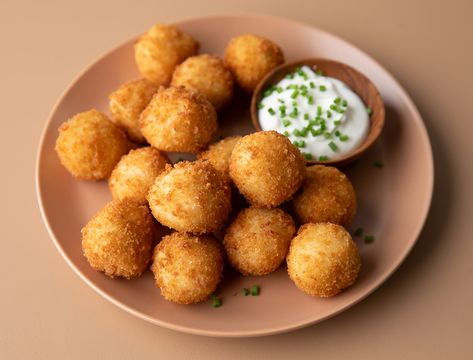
<point x="136" y="172"/>
<point x="178" y="120"/>
<point x="127" y="103"/>
<point x="159" y="50"/>
<point x="250" y="57"/>
<point x="89" y="145"/>
<point x="257" y="241"/>
<point x="207" y="75"/>
<point x="119" y="239"/>
<point x="187" y="268"/>
<point x="266" y="168"/>
<point x="323" y="259"/>
<point x="191" y="197"/>
<point x="218" y="154"/>
<point x="326" y="196"/>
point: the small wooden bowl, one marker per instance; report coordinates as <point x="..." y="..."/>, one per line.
<point x="358" y="82"/>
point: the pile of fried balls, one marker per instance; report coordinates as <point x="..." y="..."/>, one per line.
<point x="173" y="108"/>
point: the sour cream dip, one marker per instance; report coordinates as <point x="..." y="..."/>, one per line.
<point x="321" y="115"/>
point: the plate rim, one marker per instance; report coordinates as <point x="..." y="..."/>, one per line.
<point x="262" y="331"/>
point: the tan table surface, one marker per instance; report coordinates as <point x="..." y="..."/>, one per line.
<point x="423" y="312"/>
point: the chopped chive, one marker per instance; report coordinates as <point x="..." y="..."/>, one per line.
<point x="282" y="109"/>
<point x="306" y="116"/>
<point x="358" y="232"/>
<point x="286" y="122"/>
<point x="327" y="135"/>
<point x="269" y="91"/>
<point x="322" y="88"/>
<point x="333" y="146"/>
<point x="337" y="122"/>
<point x="333" y="107"/>
<point x="369" y="111"/>
<point x="260" y="105"/>
<point x="344" y="137"/>
<point x="311" y="100"/>
<point x="271" y="111"/>
<point x="337" y="100"/>
<point x="303" y="87"/>
<point x="369" y="239"/>
<point x="294" y="103"/>
<point x="255" y="290"/>
<point x="279" y="89"/>
<point x="337" y="133"/>
<point x="312" y="85"/>
<point x="281" y="101"/>
<point x="300" y="143"/>
<point x="323" y="158"/>
<point x="319" y="110"/>
<point x="295" y="94"/>
<point x="345" y="103"/>
<point x="319" y="72"/>
<point x="291" y="86"/>
<point x="286" y="133"/>
<point x="216" y="302"/>
<point x="316" y="132"/>
<point x="246" y="292"/>
<point x="378" y="164"/>
<point x="308" y="156"/>
<point x="323" y="126"/>
<point x="300" y="133"/>
<point x="329" y="114"/>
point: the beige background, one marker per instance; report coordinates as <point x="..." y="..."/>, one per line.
<point x="423" y="312"/>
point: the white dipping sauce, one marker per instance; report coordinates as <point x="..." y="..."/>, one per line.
<point x="321" y="115"/>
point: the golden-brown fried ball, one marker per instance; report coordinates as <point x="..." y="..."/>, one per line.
<point x="257" y="241"/>
<point x="136" y="172"/>
<point x="159" y="50"/>
<point x="323" y="259"/>
<point x="207" y="75"/>
<point x="187" y="268"/>
<point x="127" y="103"/>
<point x="326" y="196"/>
<point x="178" y="120"/>
<point x="191" y="197"/>
<point x="89" y="145"/>
<point x="250" y="58"/>
<point x="119" y="239"/>
<point x="218" y="154"/>
<point x="266" y="168"/>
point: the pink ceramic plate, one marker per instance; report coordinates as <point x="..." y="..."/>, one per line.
<point x="393" y="201"/>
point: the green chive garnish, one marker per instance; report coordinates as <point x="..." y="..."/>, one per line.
<point x="329" y="114"/>
<point x="358" y="232"/>
<point x="316" y="132"/>
<point x="308" y="156"/>
<point x="311" y="100"/>
<point x="369" y="111"/>
<point x="322" y="88"/>
<point x="337" y="100"/>
<point x="344" y="137"/>
<point x="279" y="89"/>
<point x="378" y="164"/>
<point x="246" y="292"/>
<point x="282" y="109"/>
<point x="337" y="122"/>
<point x="345" y="103"/>
<point x="295" y="94"/>
<point x="300" y="143"/>
<point x="312" y="85"/>
<point x="327" y="135"/>
<point x="281" y="101"/>
<point x="286" y="122"/>
<point x="260" y="105"/>
<point x="271" y="111"/>
<point x="369" y="239"/>
<point x="323" y="158"/>
<point x="255" y="290"/>
<point x="216" y="302"/>
<point x="333" y="146"/>
<point x="286" y="133"/>
<point x="306" y="116"/>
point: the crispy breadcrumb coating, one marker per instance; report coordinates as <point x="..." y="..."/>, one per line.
<point x="178" y="120"/>
<point x="119" y="239"/>
<point x="257" y="241"/>
<point x="207" y="75"/>
<point x="160" y="50"/>
<point x="326" y="196"/>
<point x="251" y="57"/>
<point x="136" y="172"/>
<point x="127" y="103"/>
<point x="191" y="197"/>
<point x="266" y="168"/>
<point x="219" y="153"/>
<point x="323" y="259"/>
<point x="187" y="268"/>
<point x="89" y="145"/>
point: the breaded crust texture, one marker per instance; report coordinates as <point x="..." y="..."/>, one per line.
<point x="187" y="268"/>
<point x="219" y="153"/>
<point x="127" y="103"/>
<point x="250" y="57"/>
<point x="89" y="145"/>
<point x="323" y="259"/>
<point x="191" y="197"/>
<point x="207" y="75"/>
<point x="136" y="172"/>
<point x="326" y="196"/>
<point x="266" y="168"/>
<point x="119" y="239"/>
<point x="257" y="241"/>
<point x="178" y="120"/>
<point x="160" y="50"/>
